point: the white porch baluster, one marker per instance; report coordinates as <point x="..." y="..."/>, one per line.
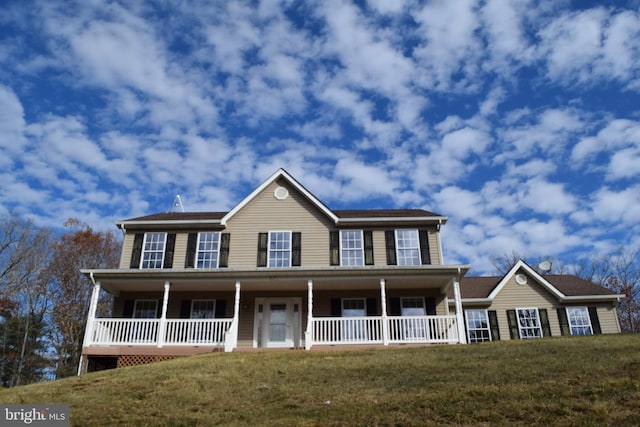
<point x="459" y="316"/>
<point x="308" y="335"/>
<point x="383" y="300"/>
<point x="162" y="326"/>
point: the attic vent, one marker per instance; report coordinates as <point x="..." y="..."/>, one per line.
<point x="281" y="193"/>
<point x="521" y="279"/>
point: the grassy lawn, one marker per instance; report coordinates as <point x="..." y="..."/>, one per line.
<point x="557" y="381"/>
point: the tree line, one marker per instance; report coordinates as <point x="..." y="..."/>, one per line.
<point x="44" y="299"/>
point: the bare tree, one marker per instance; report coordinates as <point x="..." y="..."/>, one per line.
<point x="80" y="247"/>
<point x="24" y="253"/>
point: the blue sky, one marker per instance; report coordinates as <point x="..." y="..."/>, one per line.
<point x="518" y="120"/>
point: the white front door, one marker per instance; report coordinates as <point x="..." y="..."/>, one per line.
<point x="277" y="322"/>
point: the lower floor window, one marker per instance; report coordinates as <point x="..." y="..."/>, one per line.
<point x="529" y="323"/>
<point x="579" y="322"/>
<point x="477" y="325"/>
<point x="145" y="309"/>
<point x="203" y="308"/>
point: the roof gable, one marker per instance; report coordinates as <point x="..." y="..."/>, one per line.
<point x="563" y="287"/>
<point x="280" y="174"/>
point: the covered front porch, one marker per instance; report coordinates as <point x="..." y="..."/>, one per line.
<point x="338" y="307"/>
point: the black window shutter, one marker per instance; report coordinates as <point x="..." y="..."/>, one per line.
<point x="168" y="250"/>
<point x="221" y="308"/>
<point x="368" y="247"/>
<point x="564" y="321"/>
<point x="185" y="309"/>
<point x="137" y="250"/>
<point x="192" y="241"/>
<point x="334" y="248"/>
<point x="159" y="309"/>
<point x="390" y="242"/>
<point x="514" y="331"/>
<point x="395" y="307"/>
<point x="263" y="241"/>
<point x="296" y="249"/>
<point x="336" y="307"/>
<point x="544" y="322"/>
<point x="424" y="247"/>
<point x="372" y="307"/>
<point x="127" y="310"/>
<point x="595" y="322"/>
<point x="223" y="260"/>
<point x="493" y="325"/>
<point x="430" y="306"/>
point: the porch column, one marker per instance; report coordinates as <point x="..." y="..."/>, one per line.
<point x="308" y="335"/>
<point x="91" y="317"/>
<point x="162" y="324"/>
<point x="459" y="316"/>
<point x="231" y="336"/>
<point x="383" y="301"/>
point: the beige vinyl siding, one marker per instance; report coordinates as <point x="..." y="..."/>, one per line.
<point x="180" y="250"/>
<point x="607" y="317"/>
<point x="434" y="246"/>
<point x="127" y="247"/>
<point x="531" y="295"/>
<point x="266" y="213"/>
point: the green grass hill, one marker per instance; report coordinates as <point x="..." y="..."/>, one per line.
<point x="558" y="381"/>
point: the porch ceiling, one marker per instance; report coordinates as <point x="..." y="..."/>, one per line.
<point x="432" y="276"/>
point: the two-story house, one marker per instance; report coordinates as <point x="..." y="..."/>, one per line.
<point x="279" y="270"/>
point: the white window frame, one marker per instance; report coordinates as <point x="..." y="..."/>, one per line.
<point x="145" y="301"/>
<point x="469" y="318"/>
<point x="196" y="301"/>
<point x="529" y="328"/>
<point x="153" y="251"/>
<point x="358" y="251"/>
<point x="271" y="252"/>
<point x="212" y="250"/>
<point x="572" y="320"/>
<point x="402" y="259"/>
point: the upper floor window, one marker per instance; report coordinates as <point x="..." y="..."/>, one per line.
<point x="208" y="249"/>
<point x="279" y="249"/>
<point x="153" y="250"/>
<point x="407" y="247"/>
<point x="351" y="248"/>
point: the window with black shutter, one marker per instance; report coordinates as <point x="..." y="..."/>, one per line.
<point x="390" y="243"/>
<point x="263" y="241"/>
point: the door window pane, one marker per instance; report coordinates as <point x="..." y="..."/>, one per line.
<point x="278" y="322"/>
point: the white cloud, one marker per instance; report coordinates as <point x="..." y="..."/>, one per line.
<point x="12" y="124"/>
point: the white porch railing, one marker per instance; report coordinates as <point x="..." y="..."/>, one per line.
<point x="196" y="331"/>
<point x="347" y="330"/>
<point x="368" y="330"/>
<point x="125" y="331"/>
<point x="146" y="331"/>
<point x="422" y="329"/>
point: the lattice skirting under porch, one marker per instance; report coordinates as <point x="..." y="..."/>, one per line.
<point x="139" y="359"/>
